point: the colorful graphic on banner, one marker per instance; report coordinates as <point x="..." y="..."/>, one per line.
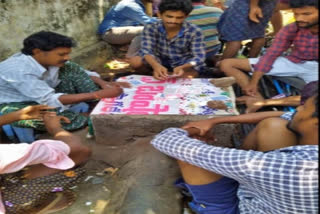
<point x="149" y="96"/>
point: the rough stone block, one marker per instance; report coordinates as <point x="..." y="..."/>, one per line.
<point x="117" y="130"/>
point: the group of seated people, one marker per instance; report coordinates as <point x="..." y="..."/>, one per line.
<point x="270" y="173"/>
<point x="184" y="39"/>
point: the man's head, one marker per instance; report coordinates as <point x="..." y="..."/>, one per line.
<point x="306" y="12"/>
<point x="48" y="48"/>
<point x="184" y="6"/>
<point x="308" y="91"/>
<point x="305" y="121"/>
<point x="174" y="12"/>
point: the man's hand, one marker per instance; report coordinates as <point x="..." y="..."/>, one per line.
<point x="160" y="72"/>
<point x="121" y="84"/>
<point x="203" y="126"/>
<point x="195" y="133"/>
<point x="255" y="14"/>
<point x="109" y="85"/>
<point x="192" y="131"/>
<point x="178" y="71"/>
<point x="251" y="89"/>
<point x="52" y="122"/>
<point x="108" y="92"/>
<point x="218" y="4"/>
<point x="33" y="112"/>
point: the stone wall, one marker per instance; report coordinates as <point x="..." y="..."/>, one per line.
<point x="76" y="18"/>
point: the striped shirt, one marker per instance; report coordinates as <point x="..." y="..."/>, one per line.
<point x="23" y="79"/>
<point x="277" y="182"/>
<point x="186" y="47"/>
<point x="207" y="18"/>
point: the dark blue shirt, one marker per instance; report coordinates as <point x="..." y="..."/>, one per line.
<point x="125" y="13"/>
<point x="187" y="47"/>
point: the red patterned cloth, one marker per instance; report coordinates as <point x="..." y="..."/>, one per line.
<point x="304" y="44"/>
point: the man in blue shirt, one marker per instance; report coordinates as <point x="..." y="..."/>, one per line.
<point x="269" y="177"/>
<point x="124" y="21"/>
<point x="171" y="44"/>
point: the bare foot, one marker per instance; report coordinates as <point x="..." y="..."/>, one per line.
<point x="217" y="104"/>
<point x="223" y="82"/>
<point x="253" y="104"/>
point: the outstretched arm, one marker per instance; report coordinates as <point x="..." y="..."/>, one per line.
<point x="147" y="51"/>
<point x="103" y="93"/>
<point x="233" y="163"/>
<point x="281" y="43"/>
<point x="27" y="113"/>
<point x="205" y="125"/>
<point x="285" y="101"/>
<point x="79" y="153"/>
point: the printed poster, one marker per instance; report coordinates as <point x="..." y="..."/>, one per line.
<point x="149" y="96"/>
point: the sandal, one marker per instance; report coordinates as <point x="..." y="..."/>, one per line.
<point x="23" y="196"/>
<point x="67" y="198"/>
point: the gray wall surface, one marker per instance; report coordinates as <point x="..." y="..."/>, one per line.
<point x="76" y="18"/>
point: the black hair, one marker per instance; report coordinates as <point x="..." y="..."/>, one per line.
<point x="46" y="41"/>
<point x="316" y="104"/>
<point x="309" y="90"/>
<point x="197" y="1"/>
<point x="303" y="3"/>
<point x="176" y="5"/>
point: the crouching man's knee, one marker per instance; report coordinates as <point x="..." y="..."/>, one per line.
<point x="80" y="154"/>
<point x="272" y="133"/>
<point x="225" y="66"/>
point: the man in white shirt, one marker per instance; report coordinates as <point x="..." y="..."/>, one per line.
<point x="43" y="74"/>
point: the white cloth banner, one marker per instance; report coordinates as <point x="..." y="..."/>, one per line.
<point x="149" y="96"/>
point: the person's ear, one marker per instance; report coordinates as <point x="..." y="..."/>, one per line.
<point x="36" y="51"/>
<point x="159" y="14"/>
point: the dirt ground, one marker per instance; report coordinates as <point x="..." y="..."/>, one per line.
<point x="93" y="194"/>
<point x="135" y="187"/>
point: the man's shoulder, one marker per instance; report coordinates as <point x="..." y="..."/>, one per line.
<point x="21" y="64"/>
<point x="70" y="65"/>
<point x="292" y="28"/>
<point x="17" y="60"/>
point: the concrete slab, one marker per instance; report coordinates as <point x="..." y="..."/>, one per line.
<point x="146" y="176"/>
<point x="117" y="130"/>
